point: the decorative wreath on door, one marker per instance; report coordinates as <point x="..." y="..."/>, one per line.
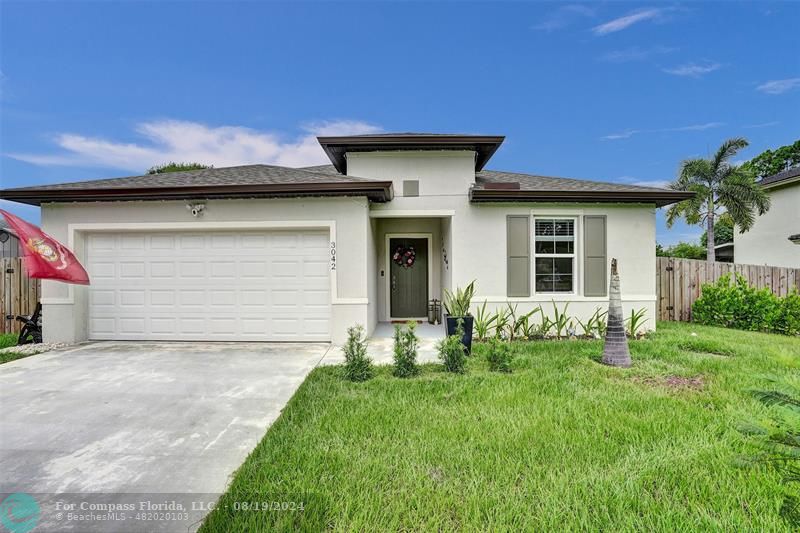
<point x="405" y="257"/>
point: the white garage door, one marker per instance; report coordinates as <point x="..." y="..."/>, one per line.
<point x="218" y="286"/>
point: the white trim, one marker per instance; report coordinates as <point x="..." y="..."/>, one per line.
<point x="409" y="213"/>
<point x="388" y="256"/>
<point x="97" y="227"/>
<point x="577" y="251"/>
<point x="561" y="297"/>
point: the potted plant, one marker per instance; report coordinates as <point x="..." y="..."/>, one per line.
<point x="456" y="306"/>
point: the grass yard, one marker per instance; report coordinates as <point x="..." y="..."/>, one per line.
<point x="562" y="443"/>
<point x="6" y="340"/>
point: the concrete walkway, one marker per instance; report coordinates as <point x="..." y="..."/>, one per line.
<point x="110" y="418"/>
<point x="381" y="344"/>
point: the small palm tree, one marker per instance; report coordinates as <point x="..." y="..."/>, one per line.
<point x="717" y="185"/>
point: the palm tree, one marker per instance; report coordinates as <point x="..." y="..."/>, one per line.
<point x="718" y="184"/>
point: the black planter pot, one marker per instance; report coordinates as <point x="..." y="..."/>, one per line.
<point x="451" y="324"/>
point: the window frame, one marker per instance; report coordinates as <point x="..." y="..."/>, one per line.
<point x="574" y="255"/>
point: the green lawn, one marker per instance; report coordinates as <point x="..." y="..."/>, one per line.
<point x="562" y="443"/>
<point x="6" y="340"/>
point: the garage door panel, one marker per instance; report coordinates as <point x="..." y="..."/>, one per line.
<point x="215" y="286"/>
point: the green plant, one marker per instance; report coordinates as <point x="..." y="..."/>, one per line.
<point x="595" y="325"/>
<point x="636" y="321"/>
<point x="780" y="445"/>
<point x="458" y="304"/>
<point x="502" y="323"/>
<point x="357" y="365"/>
<point x="518" y="326"/>
<point x="405" y="350"/>
<point x="787" y="320"/>
<point x="452" y="353"/>
<point x="499" y="356"/>
<point x="560" y="320"/>
<point x="484" y="322"/>
<point x="734" y="304"/>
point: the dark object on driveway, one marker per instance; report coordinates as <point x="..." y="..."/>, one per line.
<point x="31" y="332"/>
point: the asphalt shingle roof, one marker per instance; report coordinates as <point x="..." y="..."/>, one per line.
<point x="210" y="177"/>
<point x="781" y="176"/>
<point x="533" y="182"/>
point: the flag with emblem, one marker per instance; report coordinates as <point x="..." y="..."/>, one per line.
<point x="43" y="256"/>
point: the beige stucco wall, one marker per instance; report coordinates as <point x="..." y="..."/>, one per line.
<point x="767" y="242"/>
<point x="441" y="174"/>
<point x="476" y="249"/>
<point x="65" y="306"/>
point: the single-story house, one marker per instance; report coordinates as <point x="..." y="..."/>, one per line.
<point x="268" y="253"/>
<point x="773" y="238"/>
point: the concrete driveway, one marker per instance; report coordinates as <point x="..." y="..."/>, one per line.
<point x="142" y="418"/>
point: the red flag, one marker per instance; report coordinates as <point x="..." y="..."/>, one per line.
<point x="45" y="257"/>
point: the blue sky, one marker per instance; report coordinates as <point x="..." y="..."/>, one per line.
<point x="610" y="91"/>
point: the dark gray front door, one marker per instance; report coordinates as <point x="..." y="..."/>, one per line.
<point x="408" y="286"/>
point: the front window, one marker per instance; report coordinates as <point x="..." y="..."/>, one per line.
<point x="554" y="254"/>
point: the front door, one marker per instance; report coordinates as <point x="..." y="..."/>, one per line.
<point x="408" y="277"/>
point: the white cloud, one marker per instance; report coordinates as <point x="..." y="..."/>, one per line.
<point x="693" y="127"/>
<point x="693" y="70"/>
<point x="635" y="53"/>
<point x="619" y="24"/>
<point x="563" y="16"/>
<point x="779" y="86"/>
<point x="762" y="125"/>
<point x="176" y="140"/>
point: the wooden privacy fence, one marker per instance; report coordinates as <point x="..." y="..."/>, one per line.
<point x="678" y="282"/>
<point x="18" y="293"/>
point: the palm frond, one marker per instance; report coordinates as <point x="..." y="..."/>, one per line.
<point x="742" y="197"/>
<point x="772" y="397"/>
<point x="727" y="150"/>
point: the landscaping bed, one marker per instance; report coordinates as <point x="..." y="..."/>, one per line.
<point x="562" y="442"/>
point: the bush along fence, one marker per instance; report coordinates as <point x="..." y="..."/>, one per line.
<point x="19" y="294"/>
<point x="733" y="303"/>
<point x="679" y="282"/>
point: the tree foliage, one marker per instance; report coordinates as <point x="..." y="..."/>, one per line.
<point x="770" y="162"/>
<point x="718" y="185"/>
<point x="683" y="250"/>
<point x="723" y="231"/>
<point x="176" y="167"/>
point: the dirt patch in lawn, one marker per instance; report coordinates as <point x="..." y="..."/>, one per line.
<point x="673" y="382"/>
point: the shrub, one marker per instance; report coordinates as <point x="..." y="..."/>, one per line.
<point x="452" y="353"/>
<point x="734" y="304"/>
<point x="357" y="365"/>
<point x="457" y="304"/>
<point x="405" y="350"/>
<point x="499" y="356"/>
<point x="787" y="320"/>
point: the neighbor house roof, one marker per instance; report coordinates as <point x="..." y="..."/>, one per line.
<point x="336" y="147"/>
<point x="257" y="181"/>
<point x="792" y="174"/>
<point x="496" y="186"/>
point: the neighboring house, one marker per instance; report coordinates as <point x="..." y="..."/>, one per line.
<point x="724" y="252"/>
<point x="9" y="242"/>
<point x="773" y="238"/>
<point x="268" y="253"/>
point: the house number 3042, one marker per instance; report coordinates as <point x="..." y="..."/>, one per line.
<point x="333" y="255"/>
